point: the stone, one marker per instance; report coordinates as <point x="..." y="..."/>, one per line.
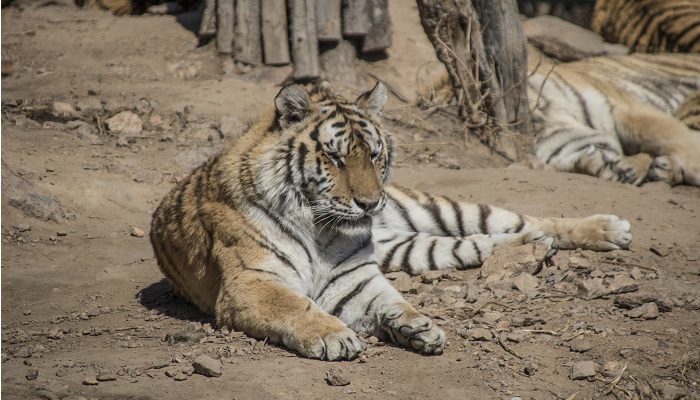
<point x="670" y="390"/>
<point x="516" y="337"/>
<point x="125" y="123"/>
<point x="61" y="109"/>
<point x="473" y="293"/>
<point x="512" y="260"/>
<point x="136" y="232"/>
<point x="501" y="288"/>
<point x="32" y="373"/>
<point x="580" y="345"/>
<point x="89" y="105"/>
<point x="207" y="366"/>
<point x="30" y="199"/>
<point x="106" y="377"/>
<point x="23" y="122"/>
<point x="525" y="282"/>
<point x="645" y="311"/>
<point x="479" y="334"/>
<point x="621" y="283"/>
<point x="583" y="370"/>
<point x="591" y="288"/>
<point x="24" y="227"/>
<point x="636" y="273"/>
<point x="403" y="284"/>
<point x="184" y="69"/>
<point x="337" y="377"/>
<point x="612" y="369"/>
<point x="562" y="40"/>
<point x="90" y="381"/>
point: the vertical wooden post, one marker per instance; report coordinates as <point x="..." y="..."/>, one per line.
<point x="379" y="35"/>
<point x="304" y="42"/>
<point x="274" y="32"/>
<point x="355" y="18"/>
<point x="328" y="20"/>
<point x="224" y="26"/>
<point x="247" y="44"/>
<point x="208" y="25"/>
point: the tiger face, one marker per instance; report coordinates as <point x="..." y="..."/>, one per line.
<point x="343" y="154"/>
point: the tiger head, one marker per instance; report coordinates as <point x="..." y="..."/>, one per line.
<point x="338" y="154"/>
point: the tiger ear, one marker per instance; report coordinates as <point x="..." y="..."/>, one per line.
<point x="292" y="104"/>
<point x="373" y="101"/>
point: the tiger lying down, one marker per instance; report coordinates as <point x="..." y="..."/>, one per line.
<point x="628" y="119"/>
<point x="285" y="235"/>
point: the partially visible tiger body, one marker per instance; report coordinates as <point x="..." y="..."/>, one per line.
<point x="613" y="116"/>
<point x="650" y="26"/>
<point x="285" y="235"/>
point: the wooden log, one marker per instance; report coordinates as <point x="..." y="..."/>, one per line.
<point x="328" y="21"/>
<point x="207" y="28"/>
<point x="379" y="35"/>
<point x="304" y="42"/>
<point x="247" y="43"/>
<point x="355" y="18"/>
<point x="224" y="29"/>
<point x="274" y="32"/>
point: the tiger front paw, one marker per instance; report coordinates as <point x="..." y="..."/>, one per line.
<point x="604" y="232"/>
<point x="411" y="329"/>
<point x="665" y="169"/>
<point x="342" y="344"/>
<point x="632" y="169"/>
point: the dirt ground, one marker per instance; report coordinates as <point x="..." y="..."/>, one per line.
<point x="86" y="312"/>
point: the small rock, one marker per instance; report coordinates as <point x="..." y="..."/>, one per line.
<point x="136" y="232"/>
<point x="670" y="391"/>
<point x="473" y="293"/>
<point x="501" y="288"/>
<point x="184" y="69"/>
<point x="125" y="123"/>
<point x="525" y="282"/>
<point x="61" y="233"/>
<point x="403" y="284"/>
<point x="660" y="250"/>
<point x="646" y="311"/>
<point x="626" y="352"/>
<point x="621" y="284"/>
<point x="337" y="377"/>
<point x="516" y="337"/>
<point x="636" y="273"/>
<point x="90" y="381"/>
<point x="591" y="288"/>
<point x="512" y="260"/>
<point x="583" y="370"/>
<point x="207" y="366"/>
<point x="612" y="369"/>
<point x="24" y="227"/>
<point x="61" y="109"/>
<point x="478" y="334"/>
<point x="32" y="373"/>
<point x="89" y="105"/>
<point x="429" y="277"/>
<point x="580" y="345"/>
<point x="107" y="377"/>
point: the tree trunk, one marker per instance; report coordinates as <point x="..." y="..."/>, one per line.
<point x="483" y="48"/>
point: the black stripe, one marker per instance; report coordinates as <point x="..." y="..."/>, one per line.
<point x="361" y="246"/>
<point x="477" y="251"/>
<point x="434" y="210"/>
<point x="484" y="212"/>
<point x="406" y="257"/>
<point x="403" y="213"/>
<point x="371" y="303"/>
<point x="390" y="254"/>
<point x="431" y="255"/>
<point x="285" y="260"/>
<point x="283" y="227"/>
<point x="383" y="241"/>
<point x="458" y="215"/>
<point x="342" y="274"/>
<point x="460" y="263"/>
<point x="521" y="224"/>
<point x="340" y="306"/>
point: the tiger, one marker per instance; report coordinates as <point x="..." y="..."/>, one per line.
<point x="613" y="116"/>
<point x="285" y="235"/>
<point x="650" y="26"/>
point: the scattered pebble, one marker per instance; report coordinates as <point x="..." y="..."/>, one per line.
<point x="583" y="370"/>
<point x="90" y="381"/>
<point x="337" y="377"/>
<point x="580" y="345"/>
<point x="136" y="232"/>
<point x="32" y="373"/>
<point x="478" y="334"/>
<point x="645" y="311"/>
<point x="207" y="366"/>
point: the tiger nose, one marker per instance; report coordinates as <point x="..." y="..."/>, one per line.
<point x="366" y="204"/>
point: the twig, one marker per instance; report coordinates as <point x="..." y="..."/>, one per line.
<point x="52" y="260"/>
<point x="573" y="396"/>
<point x="542" y="331"/>
<point x="128" y="207"/>
<point x="391" y="88"/>
<point x="504" y="346"/>
<point x="627" y="264"/>
<point x="613" y="384"/>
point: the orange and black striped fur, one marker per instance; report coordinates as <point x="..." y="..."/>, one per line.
<point x="285" y="234"/>
<point x="650" y="26"/>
